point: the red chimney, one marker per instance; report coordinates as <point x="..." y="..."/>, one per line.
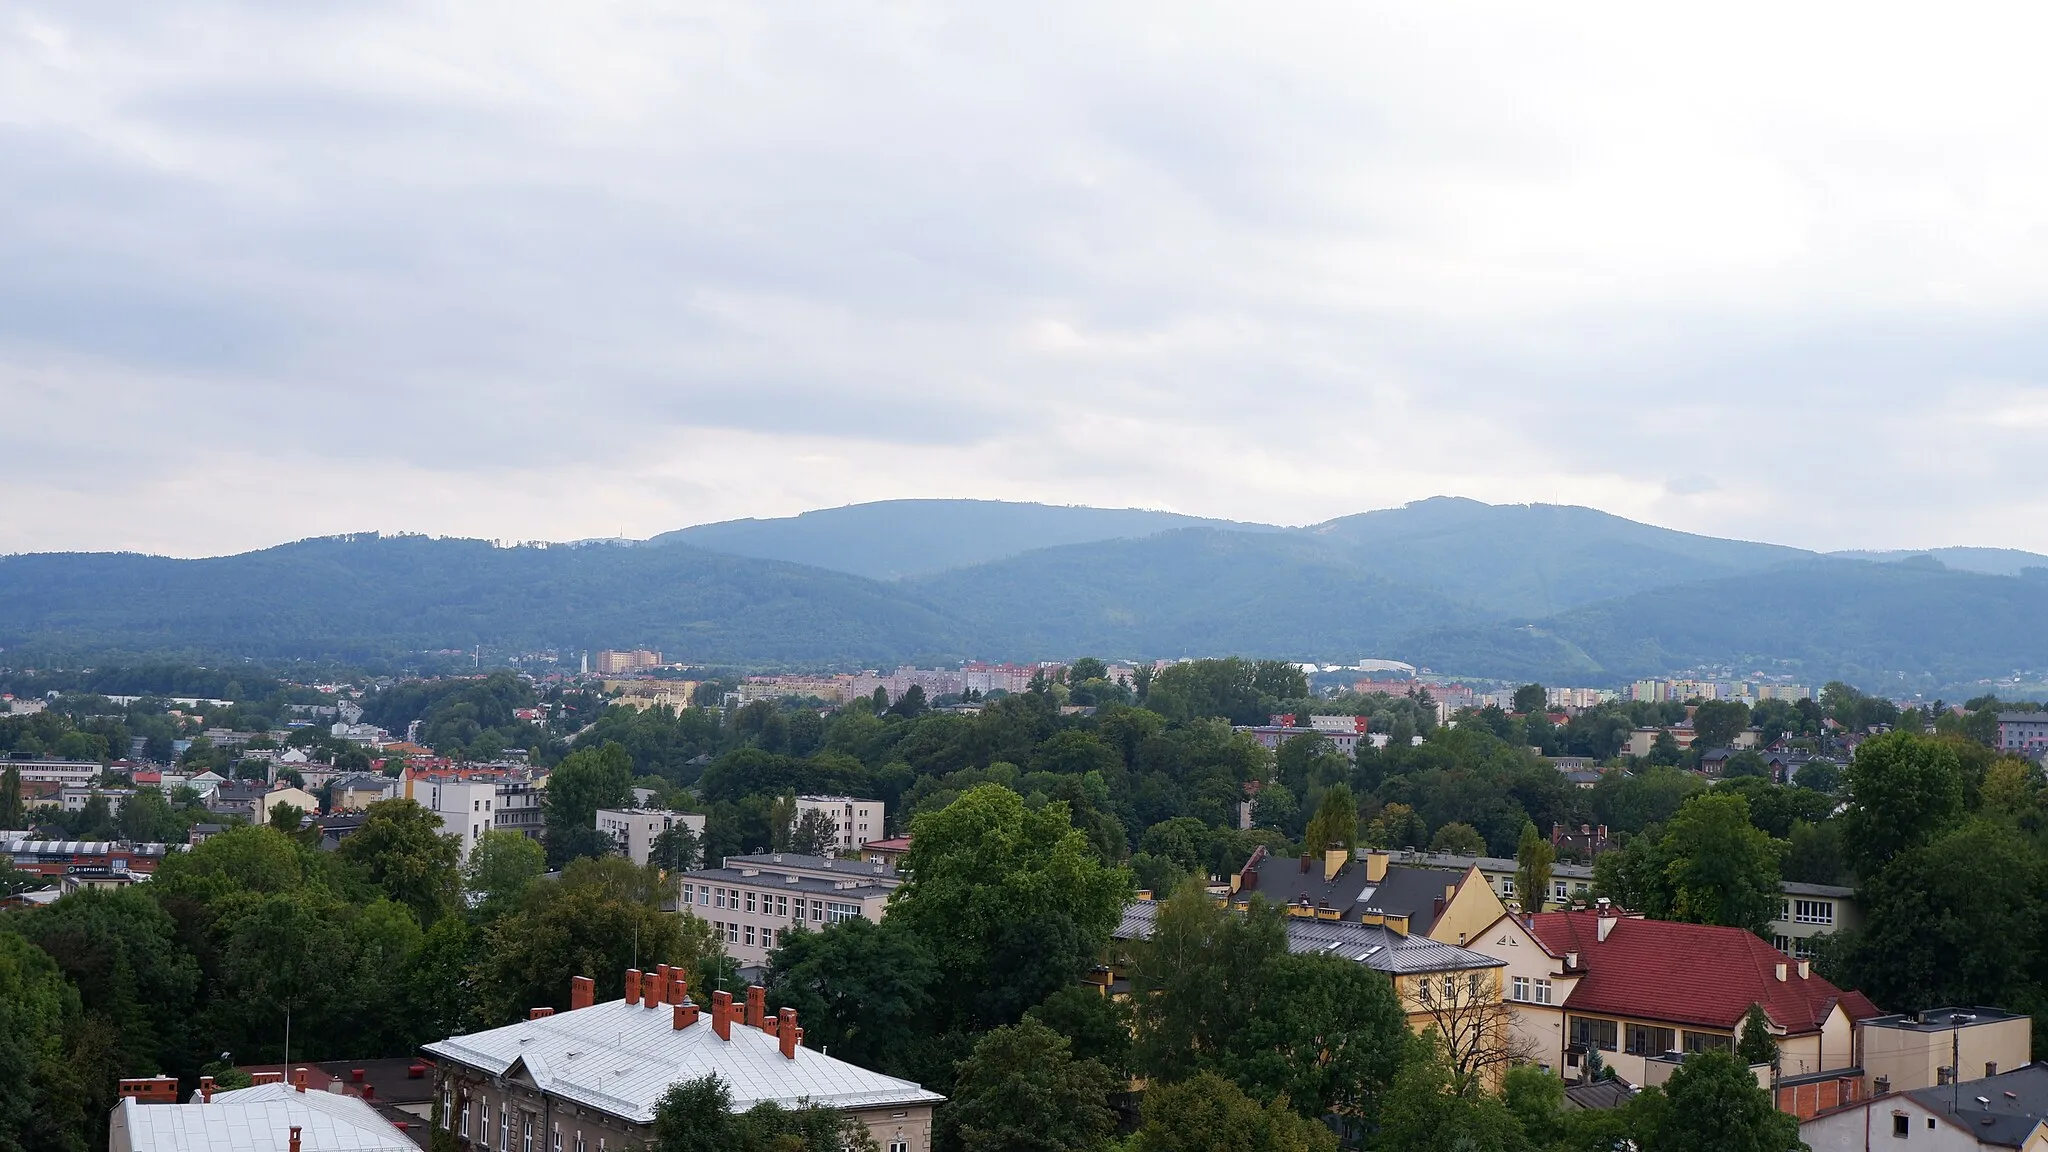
<point x="537" y="1013"/>
<point x="582" y="992"/>
<point x="206" y="1089"/>
<point x="678" y="987"/>
<point x="660" y="985"/>
<point x="721" y="1014"/>
<point x="299" y="1078"/>
<point x="770" y="1023"/>
<point x="295" y="1135"/>
<point x="685" y="1015"/>
<point x="369" y="1090"/>
<point x="757" y="1004"/>
<point x="356" y="1074"/>
<point x="632" y="985"/>
<point x="788" y="1033"/>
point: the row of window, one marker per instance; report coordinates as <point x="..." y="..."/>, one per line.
<point x="505" y="1119"/>
<point x="773" y="904"/>
<point x="736" y="933"/>
<point x="1475" y="989"/>
<point x="1643" y="1039"/>
<point x="1559" y="889"/>
<point x="1529" y="991"/>
<point x="1808" y="911"/>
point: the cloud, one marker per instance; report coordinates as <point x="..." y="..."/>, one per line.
<point x="542" y="271"/>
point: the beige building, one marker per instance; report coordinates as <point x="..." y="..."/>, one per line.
<point x="611" y="663"/>
<point x="299" y="798"/>
<point x="754" y="900"/>
<point x="589" y="1079"/>
<point x="1909" y="1051"/>
<point x="2004" y="1111"/>
<point x="636" y="829"/>
<point x="858" y="821"/>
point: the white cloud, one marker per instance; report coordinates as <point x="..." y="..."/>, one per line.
<point x="526" y="270"/>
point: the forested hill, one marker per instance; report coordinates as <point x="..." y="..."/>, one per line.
<point x="1561" y="594"/>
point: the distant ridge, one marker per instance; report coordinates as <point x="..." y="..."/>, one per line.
<point x="1989" y="561"/>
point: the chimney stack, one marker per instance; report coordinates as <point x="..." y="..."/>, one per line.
<point x="295" y="1138"/>
<point x="1781" y="973"/>
<point x="788" y="1033"/>
<point x="1375" y="866"/>
<point x="206" y="1089"/>
<point x="757" y="1004"/>
<point x="678" y="987"/>
<point x="299" y="1074"/>
<point x="660" y="986"/>
<point x="1304" y="863"/>
<point x="632" y="985"/>
<point x="537" y="1013"/>
<point x="1805" y="968"/>
<point x="721" y="1014"/>
<point x="1606" y="925"/>
<point x="770" y="1023"/>
<point x="582" y="992"/>
<point x="685" y="1015"/>
<point x="1334" y="860"/>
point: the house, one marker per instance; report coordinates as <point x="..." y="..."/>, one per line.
<point x="1643" y="988"/>
<point x="890" y="851"/>
<point x="274" y="1117"/>
<point x="1366" y="888"/>
<point x="753" y="900"/>
<point x="1915" y="1049"/>
<point x="636" y="829"/>
<point x="589" y="1078"/>
<point x="857" y="820"/>
<point x="298" y="798"/>
<point x="473" y="800"/>
<point x="2002" y="1111"/>
<point x="201" y="833"/>
<point x="79" y="879"/>
<point x="357" y="792"/>
<point x="2023" y="733"/>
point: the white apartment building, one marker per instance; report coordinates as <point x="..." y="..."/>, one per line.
<point x="859" y="820"/>
<point x="753" y="900"/>
<point x="467" y="807"/>
<point x="636" y="829"/>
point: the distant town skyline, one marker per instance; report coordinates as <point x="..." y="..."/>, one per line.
<point x="562" y="273"/>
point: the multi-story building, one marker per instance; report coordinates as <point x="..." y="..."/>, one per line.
<point x="614" y="663"/>
<point x="858" y="821"/>
<point x="355" y="793"/>
<point x="1917" y="1049"/>
<point x="519" y="797"/>
<point x="268" y="1117"/>
<point x="74" y="798"/>
<point x="753" y="900"/>
<point x="55" y="858"/>
<point x="2008" y="1110"/>
<point x="57" y="772"/>
<point x="1283" y="729"/>
<point x="636" y="829"/>
<point x="1809" y="911"/>
<point x="472" y="800"/>
<point x="591" y="1077"/>
<point x="2025" y="733"/>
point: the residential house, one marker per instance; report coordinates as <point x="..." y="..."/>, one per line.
<point x="2007" y="1110"/>
<point x="74" y="798"/>
<point x="2023" y="733"/>
<point x="590" y="1078"/>
<point x="1282" y="729"/>
<point x="754" y="900"/>
<point x="1645" y="988"/>
<point x="858" y="821"/>
<point x="358" y="792"/>
<point x="273" y="1117"/>
<point x="636" y="829"/>
<point x="890" y="851"/>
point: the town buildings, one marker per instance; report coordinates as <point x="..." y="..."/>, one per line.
<point x="589" y="1078"/>
<point x="615" y="663"/>
<point x="858" y="821"/>
<point x="636" y="829"/>
<point x="55" y="858"/>
<point x="472" y="799"/>
<point x="754" y="900"/>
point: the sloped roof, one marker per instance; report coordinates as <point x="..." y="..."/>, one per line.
<point x="1689" y="974"/>
<point x="1404" y="891"/>
<point x="1378" y="948"/>
<point x="2003" y="1109"/>
<point x="260" y="1119"/>
<point x="619" y="1058"/>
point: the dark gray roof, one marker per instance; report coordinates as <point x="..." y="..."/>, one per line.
<point x="859" y="888"/>
<point x="1405" y="891"/>
<point x="2023" y="717"/>
<point x="1597" y="1094"/>
<point x="1380" y="949"/>
<point x="2001" y="1109"/>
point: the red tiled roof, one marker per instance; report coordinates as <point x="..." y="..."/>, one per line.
<point x="1689" y="974"/>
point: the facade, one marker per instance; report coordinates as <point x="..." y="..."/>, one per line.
<point x="2025" y="733"/>
<point x="890" y="851"/>
<point x="1809" y="911"/>
<point x="859" y="821"/>
<point x="474" y="800"/>
<point x="754" y="900"/>
<point x="58" y="772"/>
<point x="55" y="858"/>
<point x="588" y="1079"/>
<point x="2002" y="1111"/>
<point x="610" y="663"/>
<point x="1644" y="988"/>
<point x="355" y="793"/>
<point x="273" y="1117"/>
<point x="1911" y="1051"/>
<point x="74" y="798"/>
<point x="636" y="829"/>
<point x="1276" y="734"/>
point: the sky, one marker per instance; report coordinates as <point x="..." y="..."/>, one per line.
<point x="557" y="271"/>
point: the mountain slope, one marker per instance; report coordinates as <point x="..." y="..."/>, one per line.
<point x="1196" y="591"/>
<point x="896" y="538"/>
<point x="355" y="597"/>
<point x="1989" y="561"/>
<point x="1531" y="560"/>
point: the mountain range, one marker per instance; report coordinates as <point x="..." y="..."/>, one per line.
<point x="1511" y="591"/>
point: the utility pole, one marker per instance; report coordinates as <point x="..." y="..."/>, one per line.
<point x="1955" y="1062"/>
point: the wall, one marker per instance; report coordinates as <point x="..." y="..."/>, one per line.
<point x="1908" y="1057"/>
<point x="1858" y="1129"/>
<point x="911" y="1126"/>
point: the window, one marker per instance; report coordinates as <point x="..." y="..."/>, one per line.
<point x="718" y="899"/>
<point x="840" y="913"/>
<point x="1519" y="988"/>
<point x="558" y="1138"/>
<point x="750" y="901"/>
<point x="732" y="933"/>
<point x="1507" y="886"/>
<point x="704" y="894"/>
<point x="504" y="1129"/>
<point x="1422" y="991"/>
<point x="1706" y="1042"/>
<point x="1560" y="890"/>
<point x="1647" y="1041"/>
<point x="817" y="911"/>
<point x="448" y="1106"/>
<point x="899" y="1146"/>
<point x="483" y="1119"/>
<point x="1543" y="991"/>
<point x="750" y="935"/>
<point x="465" y="1122"/>
<point x="526" y="1135"/>
<point x="1591" y="1033"/>
<point x="782" y="907"/>
<point x="1899" y="1124"/>
<point x="689" y="893"/>
<point x="1450" y="989"/>
<point x="579" y="1142"/>
<point x="1813" y="911"/>
<point x="1475" y="986"/>
<point x="767" y="937"/>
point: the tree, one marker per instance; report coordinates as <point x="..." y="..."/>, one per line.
<point x="1326" y="1034"/>
<point x="1459" y="839"/>
<point x="1426" y="1111"/>
<point x="816" y="833"/>
<point x="401" y="849"/>
<point x="1903" y="789"/>
<point x="41" y="1102"/>
<point x="1713" y="1104"/>
<point x="286" y="818"/>
<point x="1533" y="858"/>
<point x="677" y="849"/>
<point x="1335" y="824"/>
<point x="1823" y="776"/>
<point x="1210" y="1114"/>
<point x="12" y="814"/>
<point x="502" y="866"/>
<point x="861" y="989"/>
<point x="1012" y="901"/>
<point x="1531" y="699"/>
<point x="1716" y="723"/>
<point x="1474" y="1029"/>
<point x="587" y="780"/>
<point x="1098" y="1027"/>
<point x="1756" y="1045"/>
<point x="697" y="1116"/>
<point x="1023" y="1091"/>
<point x="1718" y="867"/>
<point x="573" y="929"/>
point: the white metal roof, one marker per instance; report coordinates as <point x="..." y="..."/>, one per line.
<point x="260" y="1119"/>
<point x="619" y="1058"/>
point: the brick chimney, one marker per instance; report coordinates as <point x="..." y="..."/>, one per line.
<point x="660" y="993"/>
<point x="206" y="1089"/>
<point x="678" y="987"/>
<point x="582" y="992"/>
<point x="770" y="1023"/>
<point x="299" y="1079"/>
<point x="757" y="1004"/>
<point x="788" y="1033"/>
<point x="721" y="1014"/>
<point x="685" y="1015"/>
<point x="632" y="985"/>
<point x="295" y="1138"/>
<point x="537" y="1013"/>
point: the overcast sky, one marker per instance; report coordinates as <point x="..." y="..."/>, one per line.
<point x="551" y="271"/>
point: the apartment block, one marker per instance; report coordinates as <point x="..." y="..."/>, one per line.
<point x="858" y="820"/>
<point x="636" y="829"/>
<point x="754" y="900"/>
<point x="615" y="663"/>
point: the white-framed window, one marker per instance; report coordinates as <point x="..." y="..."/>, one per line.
<point x="840" y="913"/>
<point x="1542" y="991"/>
<point x="504" y="1129"/>
<point x="1518" y="988"/>
<point x="526" y="1134"/>
<point x="448" y="1106"/>
<point x="689" y="893"/>
<point x="750" y="901"/>
<point x="1507" y="886"/>
<point x="817" y="911"/>
<point x="558" y="1138"/>
<point x="732" y="933"/>
<point x="1560" y="890"/>
<point x="703" y="897"/>
<point x="782" y="907"/>
<point x="1450" y="989"/>
<point x="1813" y="911"/>
<point x="899" y="1145"/>
<point x="579" y="1142"/>
<point x="465" y="1122"/>
<point x="750" y="935"/>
